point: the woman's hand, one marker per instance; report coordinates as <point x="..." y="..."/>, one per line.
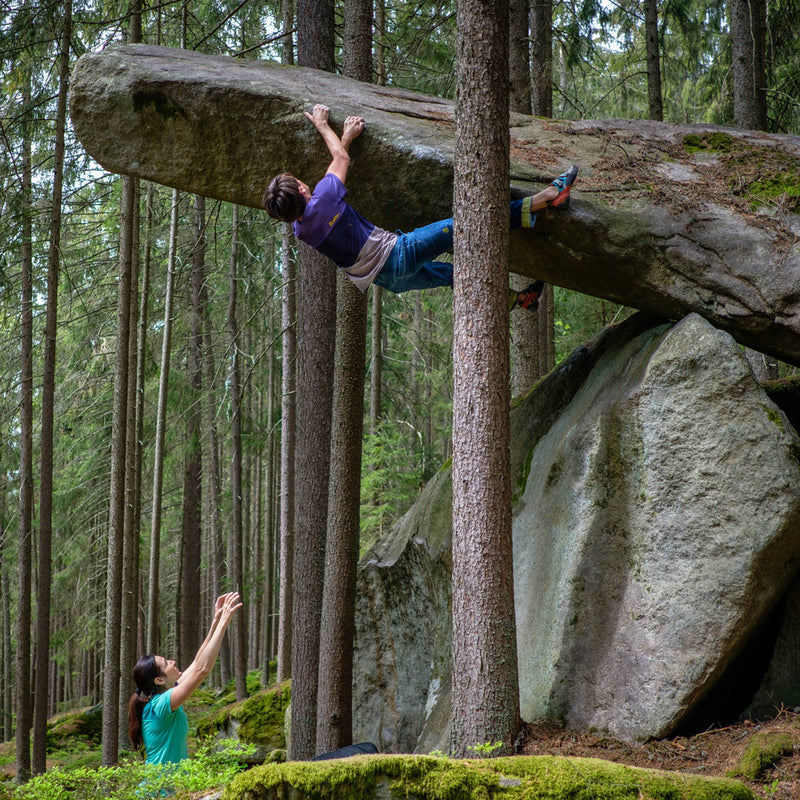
<point x="226" y="605"/>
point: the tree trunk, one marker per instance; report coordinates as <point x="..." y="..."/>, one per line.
<point x="334" y="704"/>
<point x="541" y="21"/>
<point x="219" y="582"/>
<point x="524" y="325"/>
<point x="485" y="691"/>
<point x="288" y="421"/>
<point x="5" y="607"/>
<point x="376" y="360"/>
<point x="654" y="100"/>
<point x="24" y="704"/>
<point x="748" y="20"/>
<point x="316" y="315"/>
<point x="519" y="59"/>
<point x="111" y="671"/>
<point x="334" y="701"/>
<point x="161" y="422"/>
<point x="288" y="441"/>
<point x="191" y="537"/>
<point x="130" y="556"/>
<point x="267" y="527"/>
<point x="237" y="531"/>
<point x="316" y="319"/>
<point x="44" y="578"/>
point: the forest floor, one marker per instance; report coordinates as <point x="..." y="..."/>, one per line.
<point x="716" y="752"/>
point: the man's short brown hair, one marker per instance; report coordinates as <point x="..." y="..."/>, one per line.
<point x="282" y="198"/>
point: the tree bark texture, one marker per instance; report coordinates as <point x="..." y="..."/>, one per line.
<point x="316" y="329"/>
<point x="116" y="524"/>
<point x="748" y="19"/>
<point x="541" y="25"/>
<point x="161" y="423"/>
<point x="334" y="704"/>
<point x="485" y="691"/>
<point x="655" y="105"/>
<point x="41" y="693"/>
<point x="237" y="499"/>
<point x="189" y="599"/>
<point x="316" y="317"/>
<point x="288" y="440"/>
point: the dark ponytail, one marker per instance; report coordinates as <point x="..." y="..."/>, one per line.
<point x="144" y="676"/>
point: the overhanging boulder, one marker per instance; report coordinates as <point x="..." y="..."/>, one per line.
<point x="666" y="218"/>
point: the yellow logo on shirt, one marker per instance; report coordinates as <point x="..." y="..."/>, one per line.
<point x="333" y="221"/>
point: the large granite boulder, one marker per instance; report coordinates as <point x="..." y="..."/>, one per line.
<point x="666" y="218"/>
<point x="655" y="528"/>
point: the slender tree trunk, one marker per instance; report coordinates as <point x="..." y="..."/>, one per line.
<point x="654" y="100"/>
<point x="376" y="360"/>
<point x="24" y="704"/>
<point x="748" y="20"/>
<point x="380" y="48"/>
<point x="237" y="533"/>
<point x="524" y="325"/>
<point x="287" y="46"/>
<point x="288" y="420"/>
<point x="288" y="441"/>
<point x="41" y="694"/>
<point x="334" y="703"/>
<point x="316" y="316"/>
<point x="533" y="335"/>
<point x="111" y="672"/>
<point x="485" y="691"/>
<point x="129" y="600"/>
<point x="192" y="494"/>
<point x="519" y="58"/>
<point x="130" y="556"/>
<point x="141" y="368"/>
<point x="161" y="421"/>
<point x="218" y="576"/>
<point x="541" y="51"/>
<point x="268" y="518"/>
<point x="5" y="599"/>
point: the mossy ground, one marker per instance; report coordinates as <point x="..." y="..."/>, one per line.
<point x="520" y="777"/>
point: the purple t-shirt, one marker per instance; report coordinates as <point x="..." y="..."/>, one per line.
<point x="331" y="225"/>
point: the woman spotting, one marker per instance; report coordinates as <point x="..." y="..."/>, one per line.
<point x="157" y="721"/>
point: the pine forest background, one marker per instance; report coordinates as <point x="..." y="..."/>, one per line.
<point x="64" y="223"/>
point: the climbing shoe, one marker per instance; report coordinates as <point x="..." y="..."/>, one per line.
<point x="563" y="183"/>
<point x="528" y="298"/>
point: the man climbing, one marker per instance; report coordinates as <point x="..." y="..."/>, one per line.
<point x="399" y="262"/>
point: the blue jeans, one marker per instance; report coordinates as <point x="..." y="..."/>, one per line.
<point x="411" y="264"/>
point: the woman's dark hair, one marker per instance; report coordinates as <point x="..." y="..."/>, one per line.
<point x="282" y="198"/>
<point x="144" y="676"/>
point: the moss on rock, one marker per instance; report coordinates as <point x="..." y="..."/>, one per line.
<point x="762" y="753"/>
<point x="517" y="778"/>
<point x="258" y="719"/>
<point x="84" y="724"/>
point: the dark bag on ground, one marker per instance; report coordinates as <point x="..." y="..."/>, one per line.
<point x="343" y="752"/>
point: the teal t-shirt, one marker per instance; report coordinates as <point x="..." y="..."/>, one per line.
<point x="165" y="732"/>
